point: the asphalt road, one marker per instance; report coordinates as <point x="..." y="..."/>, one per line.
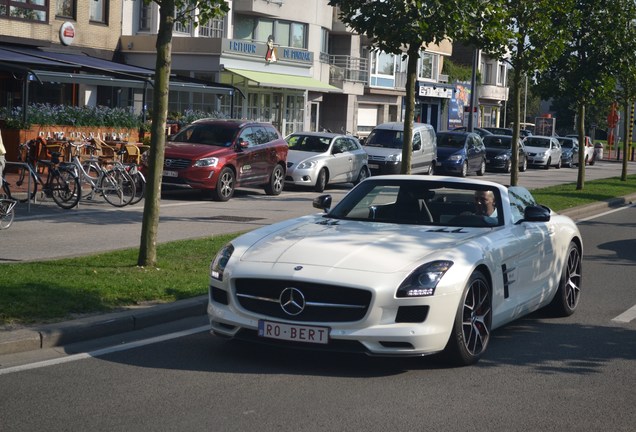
<point x="539" y="374"/>
<point x="45" y="231"/>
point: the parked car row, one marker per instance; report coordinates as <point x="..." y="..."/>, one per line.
<point x="219" y="155"/>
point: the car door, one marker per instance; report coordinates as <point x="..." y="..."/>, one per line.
<point x="248" y="165"/>
<point x="473" y="152"/>
<point x="340" y="163"/>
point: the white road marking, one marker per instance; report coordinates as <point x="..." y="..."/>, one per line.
<point x="104" y="351"/>
<point x="627" y="316"/>
<point x="606" y="213"/>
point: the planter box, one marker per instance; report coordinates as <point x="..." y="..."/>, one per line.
<point x="12" y="138"/>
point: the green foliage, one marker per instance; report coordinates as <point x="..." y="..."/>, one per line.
<point x="456" y="72"/>
<point x="67" y="115"/>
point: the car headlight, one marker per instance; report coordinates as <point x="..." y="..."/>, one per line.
<point x="423" y="281"/>
<point x="396" y="157"/>
<point x="207" y="162"/>
<point x="306" y="165"/>
<point x="217" y="267"/>
<point x="502" y="157"/>
<point x="455" y="157"/>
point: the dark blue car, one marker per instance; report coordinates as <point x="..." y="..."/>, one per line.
<point x="460" y="153"/>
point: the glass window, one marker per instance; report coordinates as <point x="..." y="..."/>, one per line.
<point x="144" y="16"/>
<point x="426" y="66"/>
<point x="264" y="29"/>
<point x="213" y="28"/>
<point x="186" y="27"/>
<point x="298" y="36"/>
<point x="282" y="33"/>
<point x="32" y="10"/>
<point x="385" y="64"/>
<point x="65" y="8"/>
<point x="98" y="11"/>
<point x="243" y="27"/>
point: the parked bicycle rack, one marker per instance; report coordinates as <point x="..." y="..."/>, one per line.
<point x="30" y="179"/>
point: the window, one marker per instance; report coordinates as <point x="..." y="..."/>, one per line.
<point x="501" y="76"/>
<point x="65" y="8"/>
<point x="32" y="10"/>
<point x="185" y="27"/>
<point x="291" y="34"/>
<point x="384" y="64"/>
<point x="426" y="66"/>
<point x="98" y="11"/>
<point x="212" y="29"/>
<point x="488" y="74"/>
<point x="145" y="16"/>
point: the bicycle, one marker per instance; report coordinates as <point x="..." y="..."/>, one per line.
<point x="7" y="206"/>
<point x="114" y="184"/>
<point x="61" y="183"/>
<point x="133" y="169"/>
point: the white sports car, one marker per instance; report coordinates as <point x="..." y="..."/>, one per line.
<point x="402" y="265"/>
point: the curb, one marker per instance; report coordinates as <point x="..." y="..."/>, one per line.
<point x="82" y="329"/>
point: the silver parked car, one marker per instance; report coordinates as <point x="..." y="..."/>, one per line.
<point x="544" y="151"/>
<point x="317" y="159"/>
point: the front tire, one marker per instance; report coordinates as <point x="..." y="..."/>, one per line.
<point x="464" y="171"/>
<point x="363" y="174"/>
<point x="547" y="164"/>
<point x="524" y="166"/>
<point x="65" y="188"/>
<point x="224" y="185"/>
<point x="276" y="181"/>
<point x="482" y="168"/>
<point x="471" y="329"/>
<point x="321" y="181"/>
<point x="568" y="294"/>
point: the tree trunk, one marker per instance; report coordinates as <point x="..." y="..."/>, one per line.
<point x="628" y="138"/>
<point x="516" y="112"/>
<point x="411" y="77"/>
<point x="150" y="224"/>
<point x="580" y="130"/>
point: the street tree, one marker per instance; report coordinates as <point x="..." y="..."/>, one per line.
<point x="625" y="68"/>
<point x="170" y="12"/>
<point x="535" y="32"/>
<point x="404" y="28"/>
<point x="585" y="69"/>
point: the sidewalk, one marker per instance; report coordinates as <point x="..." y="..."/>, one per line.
<point x="60" y="334"/>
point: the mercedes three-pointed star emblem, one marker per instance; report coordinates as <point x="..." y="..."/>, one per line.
<point x="292" y="301"/>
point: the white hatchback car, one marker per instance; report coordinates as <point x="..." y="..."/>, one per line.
<point x="317" y="159"/>
<point x="543" y="150"/>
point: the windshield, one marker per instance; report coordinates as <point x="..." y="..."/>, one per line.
<point x="566" y="143"/>
<point x="451" y="140"/>
<point x="419" y="202"/>
<point x="497" y="142"/>
<point x="309" y="143"/>
<point x="386" y="138"/>
<point x="201" y="133"/>
<point x="537" y="142"/>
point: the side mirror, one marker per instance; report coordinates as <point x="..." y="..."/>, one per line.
<point x="536" y="214"/>
<point x="322" y="202"/>
<point x="242" y="144"/>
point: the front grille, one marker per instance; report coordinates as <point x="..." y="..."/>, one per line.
<point x="175" y="164"/>
<point x="323" y="303"/>
<point x="376" y="158"/>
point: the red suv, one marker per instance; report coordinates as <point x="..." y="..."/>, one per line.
<point x="218" y="156"/>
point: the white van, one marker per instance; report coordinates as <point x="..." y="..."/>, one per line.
<point x="384" y="146"/>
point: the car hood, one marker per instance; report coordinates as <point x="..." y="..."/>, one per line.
<point x="363" y="246"/>
<point x="445" y="152"/>
<point x="175" y="149"/>
<point x="297" y="156"/>
<point x="382" y="151"/>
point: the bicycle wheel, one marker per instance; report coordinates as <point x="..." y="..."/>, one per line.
<point x="118" y="187"/>
<point x="7" y="213"/>
<point x="140" y="187"/>
<point x="89" y="179"/>
<point x="26" y="186"/>
<point x="65" y="188"/>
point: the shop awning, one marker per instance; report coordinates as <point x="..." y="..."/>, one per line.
<point x="268" y="79"/>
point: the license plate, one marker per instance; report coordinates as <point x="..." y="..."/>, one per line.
<point x="296" y="333"/>
<point x="374" y="166"/>
<point x="170" y="173"/>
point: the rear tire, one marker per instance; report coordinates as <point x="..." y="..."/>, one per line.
<point x="140" y="187"/>
<point x="276" y="181"/>
<point x="471" y="329"/>
<point x="7" y="213"/>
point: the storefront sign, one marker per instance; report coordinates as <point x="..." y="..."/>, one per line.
<point x="262" y="50"/>
<point x="437" y="92"/>
<point x="67" y="33"/>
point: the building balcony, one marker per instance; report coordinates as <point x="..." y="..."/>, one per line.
<point x="344" y="68"/>
<point x="493" y="92"/>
